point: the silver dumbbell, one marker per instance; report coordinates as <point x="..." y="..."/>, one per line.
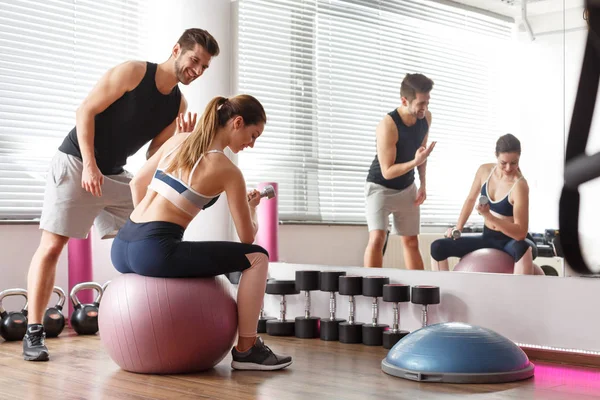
<point x="268" y="192"/>
<point x="455" y="233"/>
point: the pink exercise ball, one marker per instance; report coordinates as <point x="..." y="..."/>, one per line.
<point x="492" y="261"/>
<point x="167" y="325"/>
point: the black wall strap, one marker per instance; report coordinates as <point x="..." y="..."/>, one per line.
<point x="579" y="131"/>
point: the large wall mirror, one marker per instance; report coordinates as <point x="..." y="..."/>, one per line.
<point x="332" y="69"/>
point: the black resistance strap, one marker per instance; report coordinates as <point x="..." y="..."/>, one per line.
<point x="580" y="168"/>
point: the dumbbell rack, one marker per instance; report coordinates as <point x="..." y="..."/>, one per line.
<point x="354" y="291"/>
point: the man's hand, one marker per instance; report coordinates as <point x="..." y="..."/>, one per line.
<point x="422" y="153"/>
<point x="186" y="124"/>
<point x="92" y="179"/>
<point x="421" y="196"/>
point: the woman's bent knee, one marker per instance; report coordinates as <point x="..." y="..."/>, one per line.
<point x="519" y="248"/>
<point x="258" y="260"/>
<point x="438" y="250"/>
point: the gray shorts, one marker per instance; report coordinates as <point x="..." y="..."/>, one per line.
<point x="69" y="210"/>
<point x="382" y="201"/>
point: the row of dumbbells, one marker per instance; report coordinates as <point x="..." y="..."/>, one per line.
<point x="346" y="331"/>
<point x="84" y="319"/>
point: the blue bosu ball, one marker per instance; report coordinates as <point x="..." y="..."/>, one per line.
<point x="456" y="352"/>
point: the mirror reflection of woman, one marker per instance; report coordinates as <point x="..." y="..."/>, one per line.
<point x="506" y="213"/>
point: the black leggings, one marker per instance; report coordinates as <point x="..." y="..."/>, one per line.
<point x="156" y="249"/>
<point x="442" y="249"/>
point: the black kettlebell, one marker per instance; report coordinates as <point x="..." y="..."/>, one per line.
<point x="54" y="320"/>
<point x="14" y="323"/>
<point x="84" y="319"/>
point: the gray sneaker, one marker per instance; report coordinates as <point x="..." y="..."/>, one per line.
<point x="34" y="346"/>
<point x="259" y="358"/>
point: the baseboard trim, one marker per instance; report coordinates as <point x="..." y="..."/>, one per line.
<point x="562" y="357"/>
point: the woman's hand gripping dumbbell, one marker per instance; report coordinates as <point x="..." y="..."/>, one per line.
<point x="254" y="196"/>
<point x="484" y="205"/>
<point x="454" y="232"/>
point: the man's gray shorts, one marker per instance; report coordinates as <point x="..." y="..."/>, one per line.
<point x="382" y="201"/>
<point x="69" y="210"/>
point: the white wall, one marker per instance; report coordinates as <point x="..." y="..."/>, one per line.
<point x="539" y="94"/>
<point x="323" y="244"/>
<point x="17" y="244"/>
<point x="342" y="245"/>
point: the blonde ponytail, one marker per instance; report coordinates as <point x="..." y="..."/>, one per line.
<point x="218" y="111"/>
<point x="200" y="139"/>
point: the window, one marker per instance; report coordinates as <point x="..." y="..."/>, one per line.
<point x="327" y="71"/>
<point x="51" y="55"/>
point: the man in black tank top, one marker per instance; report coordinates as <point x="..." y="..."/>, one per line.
<point x="390" y="188"/>
<point x="132" y="104"/>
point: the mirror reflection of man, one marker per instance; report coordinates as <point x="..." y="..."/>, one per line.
<point x="390" y="189"/>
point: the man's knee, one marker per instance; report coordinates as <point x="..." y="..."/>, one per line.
<point x="410" y="242"/>
<point x="377" y="238"/>
<point x="51" y="244"/>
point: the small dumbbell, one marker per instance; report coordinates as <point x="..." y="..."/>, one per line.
<point x="329" y="282"/>
<point x="372" y="286"/>
<point x="351" y="331"/>
<point x="281" y="326"/>
<point x="54" y="320"/>
<point x="395" y="294"/>
<point x="455" y="233"/>
<point x="307" y="327"/>
<point x="84" y="319"/>
<point x="268" y="192"/>
<point x="483" y="200"/>
<point x="425" y="295"/>
<point x="14" y="323"/>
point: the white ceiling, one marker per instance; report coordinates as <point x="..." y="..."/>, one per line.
<point x="512" y="8"/>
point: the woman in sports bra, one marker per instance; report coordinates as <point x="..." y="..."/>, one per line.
<point x="186" y="175"/>
<point x="506" y="212"/>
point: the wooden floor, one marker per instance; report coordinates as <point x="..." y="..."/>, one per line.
<point x="80" y="369"/>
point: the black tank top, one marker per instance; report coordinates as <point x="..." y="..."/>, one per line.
<point x="129" y="123"/>
<point x="410" y="139"/>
